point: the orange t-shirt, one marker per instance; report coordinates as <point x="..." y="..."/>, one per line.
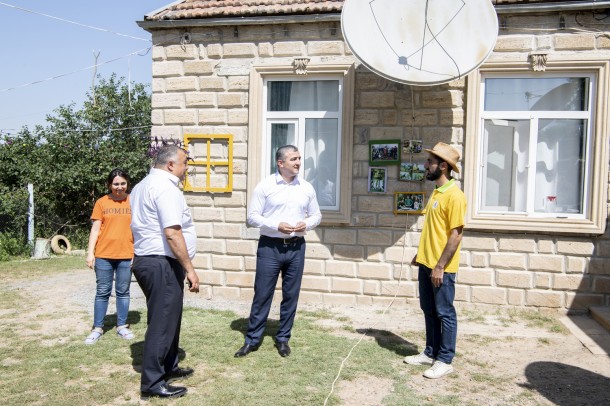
<point x="115" y="240"/>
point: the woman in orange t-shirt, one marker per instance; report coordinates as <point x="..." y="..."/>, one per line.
<point x="110" y="253"/>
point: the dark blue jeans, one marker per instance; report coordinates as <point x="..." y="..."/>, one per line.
<point x="272" y="258"/>
<point x="440" y="315"/>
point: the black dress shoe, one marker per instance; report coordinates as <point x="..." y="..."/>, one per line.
<point x="165" y="391"/>
<point x="283" y="348"/>
<point x="177" y="374"/>
<point x="245" y="350"/>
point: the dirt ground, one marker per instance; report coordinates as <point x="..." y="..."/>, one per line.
<point x="498" y="362"/>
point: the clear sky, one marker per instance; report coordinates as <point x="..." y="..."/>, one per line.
<point x="34" y="48"/>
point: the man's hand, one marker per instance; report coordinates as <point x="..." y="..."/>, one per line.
<point x="414" y="260"/>
<point x="436" y="276"/>
<point x="301" y="226"/>
<point x="193" y="281"/>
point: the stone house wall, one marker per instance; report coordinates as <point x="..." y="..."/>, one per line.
<point x="202" y="86"/>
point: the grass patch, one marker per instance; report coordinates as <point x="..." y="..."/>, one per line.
<point x="57" y="368"/>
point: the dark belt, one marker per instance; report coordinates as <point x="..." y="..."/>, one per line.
<point x="283" y="241"/>
<point x="155" y="257"/>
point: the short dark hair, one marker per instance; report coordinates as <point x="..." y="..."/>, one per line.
<point x="281" y="152"/>
<point x="165" y="154"/>
<point x="117" y="172"/>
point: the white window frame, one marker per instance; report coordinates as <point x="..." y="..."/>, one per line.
<point x="595" y="192"/>
<point x="260" y="119"/>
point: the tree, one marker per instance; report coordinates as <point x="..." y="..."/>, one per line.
<point x="69" y="159"/>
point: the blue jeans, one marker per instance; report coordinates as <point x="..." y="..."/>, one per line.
<point x="440" y="315"/>
<point x="105" y="271"/>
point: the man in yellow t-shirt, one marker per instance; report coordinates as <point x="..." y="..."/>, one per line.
<point x="438" y="257"/>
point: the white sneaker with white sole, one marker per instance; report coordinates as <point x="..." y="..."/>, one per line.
<point x="438" y="370"/>
<point x="419" y="359"/>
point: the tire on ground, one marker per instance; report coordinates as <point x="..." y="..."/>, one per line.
<point x="58" y="243"/>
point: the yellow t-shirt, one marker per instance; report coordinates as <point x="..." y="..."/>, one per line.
<point x="445" y="211"/>
<point x="115" y="240"/>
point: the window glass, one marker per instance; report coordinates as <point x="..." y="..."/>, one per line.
<point x="312" y="95"/>
<point x="321" y="161"/>
<point x="281" y="134"/>
<point x="536" y="94"/>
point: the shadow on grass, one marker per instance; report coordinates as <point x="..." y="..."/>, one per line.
<point x="564" y="384"/>
<point x="110" y="322"/>
<point x="241" y="325"/>
<point x="390" y="341"/>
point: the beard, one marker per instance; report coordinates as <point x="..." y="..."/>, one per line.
<point x="434" y="175"/>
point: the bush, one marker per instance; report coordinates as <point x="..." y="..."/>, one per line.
<point x="12" y="247"/>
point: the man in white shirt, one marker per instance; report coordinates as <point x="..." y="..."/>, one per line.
<point x="284" y="207"/>
<point x="164" y="244"/>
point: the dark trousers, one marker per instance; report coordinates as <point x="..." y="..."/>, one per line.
<point x="162" y="281"/>
<point x="440" y="315"/>
<point x="273" y="257"/>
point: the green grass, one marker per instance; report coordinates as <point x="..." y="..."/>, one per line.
<point x="56" y="368"/>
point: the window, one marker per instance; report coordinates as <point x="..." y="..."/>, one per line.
<point x="308" y="112"/>
<point x="536" y="162"/>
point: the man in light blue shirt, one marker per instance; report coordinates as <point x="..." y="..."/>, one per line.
<point x="284" y="207"/>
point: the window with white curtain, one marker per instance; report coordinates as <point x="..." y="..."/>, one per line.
<point x="306" y="113"/>
<point x="536" y="158"/>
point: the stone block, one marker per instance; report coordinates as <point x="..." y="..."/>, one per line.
<point x="542" y="280"/>
<point x="314" y="267"/>
<point x="507" y="260"/>
<point x="200" y="68"/>
<point x="514" y="279"/>
<point x="213" y="83"/>
<point x="339" y="236"/>
<point x="516" y="297"/>
<point x="585" y="248"/>
<point x="209" y="277"/>
<point x="167" y="101"/>
<point x="167" y="69"/>
<point x="181" y="84"/>
<point x="374" y="271"/>
<point x="474" y="243"/>
<point x="451" y="117"/>
<point x="241" y="247"/>
<point x="231" y="231"/>
<point x="471" y="276"/>
<point x="214" y="51"/>
<point x="236" y="199"/>
<point x="201" y="261"/>
<point x="439" y="99"/>
<point x="351" y="252"/>
<point x="374" y="237"/>
<point x="479" y="259"/>
<point x="583" y="301"/>
<point x="546" y="247"/>
<point x="599" y="266"/>
<point x="310" y="297"/>
<point x="289" y="48"/>
<point x="227" y="262"/>
<point x="366" y="117"/>
<point x="238" y="116"/>
<point x="317" y="251"/>
<point x="207" y="214"/>
<point x="572" y="282"/>
<point x="400" y="255"/>
<point x="211" y="246"/>
<point x="543" y="262"/>
<point x="340" y="268"/>
<point x="371" y="287"/>
<point x="543" y="298"/>
<point x="234" y="99"/>
<point x="404" y="289"/>
<point x="319" y="283"/>
<point x="517" y="244"/>
<point x="325" y="47"/>
<point x="241" y="50"/>
<point x="181" y="52"/>
<point x="241" y="279"/>
<point x="489" y="295"/>
<point x="200" y="99"/>
<point x="574" y="42"/>
<point x="182" y="117"/>
<point x="601" y="285"/>
<point x="576" y="265"/>
<point x="463" y="293"/>
<point x="224" y="292"/>
<point x="239" y="83"/>
<point x="519" y="43"/>
<point x="346" y="285"/>
<point x="212" y="116"/>
<point x="376" y="100"/>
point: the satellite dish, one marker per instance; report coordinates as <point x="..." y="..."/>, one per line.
<point x="420" y="42"/>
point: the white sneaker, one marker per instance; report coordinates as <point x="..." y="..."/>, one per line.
<point x="419" y="359"/>
<point x="439" y="369"/>
<point x="95" y="335"/>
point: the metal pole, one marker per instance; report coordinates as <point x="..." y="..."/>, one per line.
<point x="31" y="215"/>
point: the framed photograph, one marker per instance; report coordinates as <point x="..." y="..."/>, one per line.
<point x="411" y="171"/>
<point x="384" y="152"/>
<point x="408" y="202"/>
<point x="412" y="147"/>
<point x="377" y="180"/>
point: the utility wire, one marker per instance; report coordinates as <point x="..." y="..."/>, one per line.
<point x="73" y="22"/>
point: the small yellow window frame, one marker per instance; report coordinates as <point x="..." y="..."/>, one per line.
<point x="208" y="163"/>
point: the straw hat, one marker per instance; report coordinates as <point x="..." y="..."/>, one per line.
<point x="447" y="153"/>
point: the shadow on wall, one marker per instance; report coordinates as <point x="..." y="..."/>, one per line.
<point x="567" y="385"/>
<point x="593" y="290"/>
